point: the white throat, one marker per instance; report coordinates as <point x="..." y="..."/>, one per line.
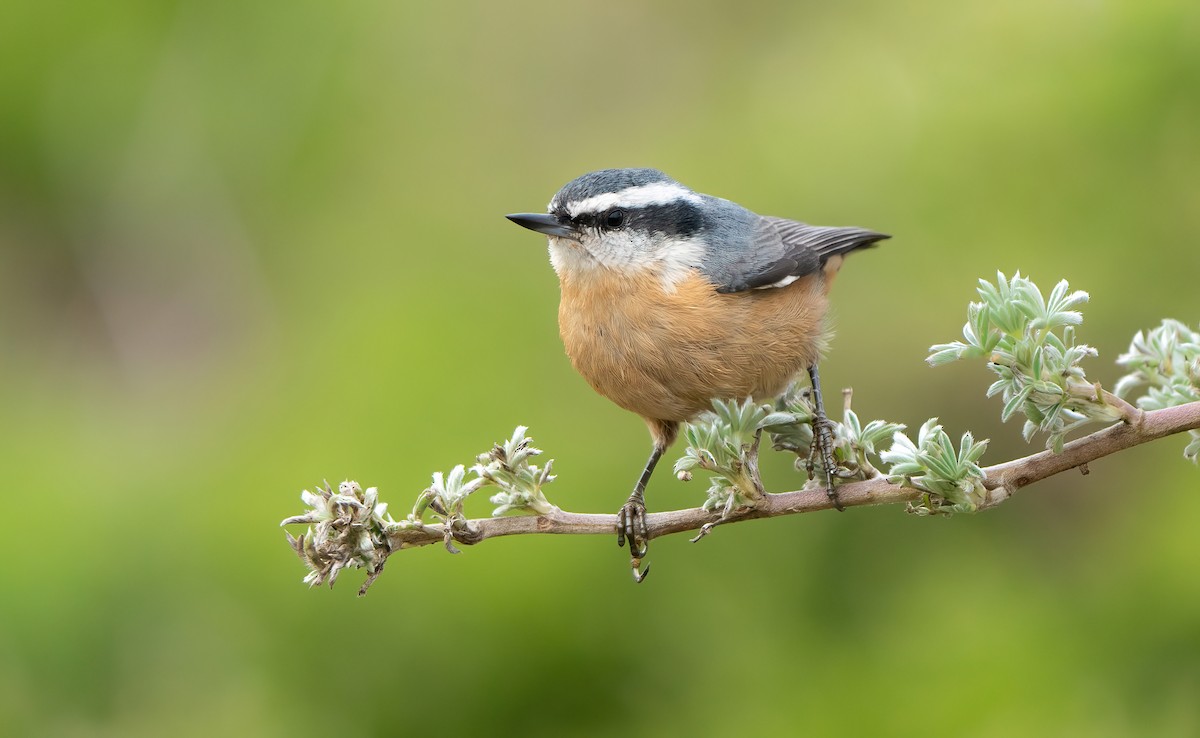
<point x="627" y="253"/>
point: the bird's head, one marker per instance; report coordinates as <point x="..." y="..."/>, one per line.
<point x="622" y="219"/>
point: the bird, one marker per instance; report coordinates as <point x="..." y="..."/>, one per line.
<point x="671" y="299"/>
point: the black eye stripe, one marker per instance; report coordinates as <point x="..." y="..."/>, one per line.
<point x="679" y="218"/>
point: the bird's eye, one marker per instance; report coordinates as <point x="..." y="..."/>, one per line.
<point x="614" y="218"/>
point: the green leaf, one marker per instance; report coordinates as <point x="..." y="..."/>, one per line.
<point x="944" y="353"/>
<point x="1014" y="403"/>
<point x="1192" y="451"/>
<point x="1056" y="442"/>
<point x="777" y="418"/>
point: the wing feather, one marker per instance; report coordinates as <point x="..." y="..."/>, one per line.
<point x="789" y="249"/>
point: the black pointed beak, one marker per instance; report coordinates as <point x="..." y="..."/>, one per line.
<point x="543" y="223"/>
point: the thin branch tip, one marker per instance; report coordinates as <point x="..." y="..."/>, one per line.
<point x="1002" y="481"/>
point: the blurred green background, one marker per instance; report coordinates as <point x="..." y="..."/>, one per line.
<point x="248" y="246"/>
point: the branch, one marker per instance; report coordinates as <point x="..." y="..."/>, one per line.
<point x="1028" y="340"/>
<point x="1002" y="481"/>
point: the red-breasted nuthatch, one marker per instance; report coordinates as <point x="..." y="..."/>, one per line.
<point x="671" y="299"/>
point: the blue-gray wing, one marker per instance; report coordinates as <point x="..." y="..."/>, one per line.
<point x="784" y="250"/>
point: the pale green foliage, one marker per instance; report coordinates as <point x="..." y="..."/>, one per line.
<point x="952" y="479"/>
<point x="347" y="528"/>
<point x="445" y="497"/>
<point x="1029" y="341"/>
<point x="724" y="442"/>
<point x="853" y="443"/>
<point x="350" y="527"/>
<point x="1167" y="359"/>
<point x="796" y="436"/>
<point x="507" y="467"/>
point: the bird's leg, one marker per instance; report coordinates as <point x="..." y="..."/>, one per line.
<point x="823" y="436"/>
<point x="631" y="519"/>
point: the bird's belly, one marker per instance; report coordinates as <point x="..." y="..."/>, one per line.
<point x="666" y="355"/>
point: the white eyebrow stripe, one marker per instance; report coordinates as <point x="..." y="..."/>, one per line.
<point x="656" y="193"/>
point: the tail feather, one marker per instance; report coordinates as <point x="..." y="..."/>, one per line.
<point x="827" y="241"/>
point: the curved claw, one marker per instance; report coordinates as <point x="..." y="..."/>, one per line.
<point x="639" y="575"/>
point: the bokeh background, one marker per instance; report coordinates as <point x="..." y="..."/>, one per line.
<point x="246" y="246"/>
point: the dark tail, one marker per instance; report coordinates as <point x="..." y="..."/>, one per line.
<point x="829" y="241"/>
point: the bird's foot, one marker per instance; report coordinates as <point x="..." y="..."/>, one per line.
<point x="823" y="447"/>
<point x="631" y="524"/>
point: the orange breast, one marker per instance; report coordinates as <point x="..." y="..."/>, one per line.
<point x="666" y="355"/>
